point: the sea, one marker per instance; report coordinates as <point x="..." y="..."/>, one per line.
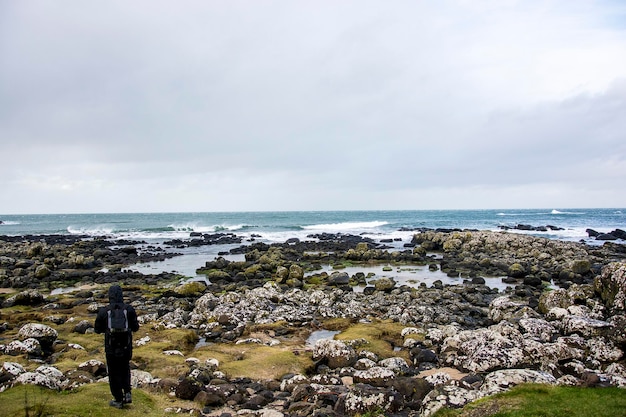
<point x="277" y="226"/>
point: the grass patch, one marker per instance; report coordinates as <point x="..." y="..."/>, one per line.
<point x="381" y="337"/>
<point x="256" y="361"/>
<point x="533" y="400"/>
<point x="89" y="400"/>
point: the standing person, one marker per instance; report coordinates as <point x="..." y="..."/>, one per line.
<point x="117" y="321"/>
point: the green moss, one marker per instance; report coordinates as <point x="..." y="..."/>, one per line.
<point x="257" y="361"/>
<point x="532" y="400"/>
<point x="381" y="337"/>
<point x="90" y="400"/>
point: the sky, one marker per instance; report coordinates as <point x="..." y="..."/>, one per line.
<point x="158" y="106"/>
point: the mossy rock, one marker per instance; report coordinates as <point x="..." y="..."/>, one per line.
<point x="517" y="271"/>
<point x="191" y="289"/>
<point x="581" y="266"/>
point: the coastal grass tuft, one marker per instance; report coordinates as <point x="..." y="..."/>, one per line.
<point x="381" y="337"/>
<point x="534" y="400"/>
<point x="89" y="400"/>
<point x="256" y="361"/>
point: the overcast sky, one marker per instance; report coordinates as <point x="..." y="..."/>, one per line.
<point x="144" y="105"/>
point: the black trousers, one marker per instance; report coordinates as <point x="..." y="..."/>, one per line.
<point x="119" y="375"/>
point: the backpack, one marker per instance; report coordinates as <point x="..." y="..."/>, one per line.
<point x="118" y="331"/>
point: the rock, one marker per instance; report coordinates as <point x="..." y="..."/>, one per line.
<point x="82" y="327"/>
<point x="364" y="399"/>
<point x="506" y="308"/>
<point x="517" y="271"/>
<point x="44" y="376"/>
<point x="584" y="326"/>
<point x="397" y="365"/>
<point x="580" y="266"/>
<point x="335" y="352"/>
<point x="502" y="380"/>
<point x="25" y="298"/>
<point x="8" y="372"/>
<point x="611" y="286"/>
<point x="46" y="335"/>
<point x="384" y="284"/>
<point x="296" y="272"/>
<point x="15" y="348"/>
<point x="376" y="376"/>
<point x="449" y="396"/>
<point x="42" y="271"/>
<point x="188" y="388"/>
<point x="339" y="279"/>
<point x="140" y="379"/>
<point x="537" y="329"/>
<point x="93" y="367"/>
<point x="482" y="350"/>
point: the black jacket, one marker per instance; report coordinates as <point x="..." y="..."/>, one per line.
<point x="116" y="299"/>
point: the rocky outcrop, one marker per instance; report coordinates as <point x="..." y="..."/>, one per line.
<point x="460" y="342"/>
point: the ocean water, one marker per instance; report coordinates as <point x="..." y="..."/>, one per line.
<point x="279" y="226"/>
<point x="270" y="227"/>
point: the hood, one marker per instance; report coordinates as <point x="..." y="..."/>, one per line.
<point x="115" y="294"/>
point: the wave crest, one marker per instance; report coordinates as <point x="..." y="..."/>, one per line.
<point x="346" y="226"/>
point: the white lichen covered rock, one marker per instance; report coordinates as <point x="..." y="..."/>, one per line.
<point x="498" y="346"/>
<point x="502" y="380"/>
<point x="611" y="286"/>
<point x="335" y="352"/>
<point x="377" y="376"/>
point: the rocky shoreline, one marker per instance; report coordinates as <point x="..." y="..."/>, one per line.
<point x="562" y="321"/>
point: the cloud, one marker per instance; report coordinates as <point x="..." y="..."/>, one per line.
<point x="352" y="104"/>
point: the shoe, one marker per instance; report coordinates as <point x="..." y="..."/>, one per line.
<point x="127" y="398"/>
<point x="116" y="404"/>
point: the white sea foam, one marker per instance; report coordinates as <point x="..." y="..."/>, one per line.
<point x="96" y="230"/>
<point x="194" y="227"/>
<point x="566" y="212"/>
<point x="338" y="227"/>
<point x="9" y="223"/>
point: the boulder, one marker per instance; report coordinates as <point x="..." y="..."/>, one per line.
<point x="335" y="352"/>
<point x="384" y="284"/>
<point x="339" y="278"/>
<point x="364" y="399"/>
<point x="584" y="326"/>
<point x="377" y="376"/>
<point x="502" y="380"/>
<point x="8" y="372"/>
<point x="25" y="298"/>
<point x="611" y="286"/>
<point x="509" y="309"/>
<point x="449" y="396"/>
<point x="93" y="367"/>
<point x="46" y="335"/>
<point x="44" y="376"/>
<point x="498" y="346"/>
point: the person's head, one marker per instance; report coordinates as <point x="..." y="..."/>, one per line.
<point x="115" y="294"/>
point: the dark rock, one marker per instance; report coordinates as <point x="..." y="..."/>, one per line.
<point x="605" y="236"/>
<point x="82" y="327"/>
<point x="188" y="388"/>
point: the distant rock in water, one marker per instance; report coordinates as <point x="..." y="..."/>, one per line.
<point x="528" y="227"/>
<point x="614" y="235"/>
